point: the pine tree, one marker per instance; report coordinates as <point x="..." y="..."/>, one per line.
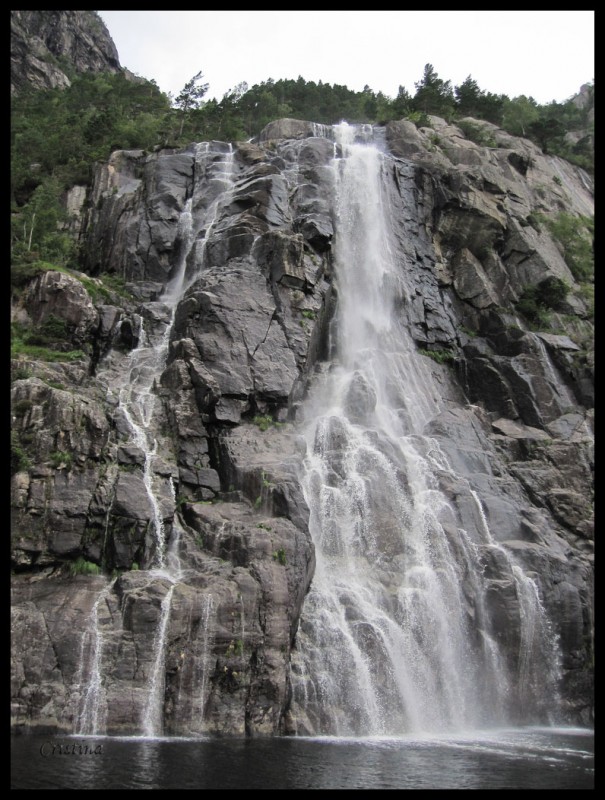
<point x="190" y="97"/>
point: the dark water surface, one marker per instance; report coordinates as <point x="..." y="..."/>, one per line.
<point x="528" y="758"/>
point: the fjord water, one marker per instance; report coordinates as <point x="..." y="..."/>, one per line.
<point x="533" y="758"/>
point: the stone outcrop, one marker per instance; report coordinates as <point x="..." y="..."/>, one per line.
<point x="43" y="42"/>
<point x="249" y="230"/>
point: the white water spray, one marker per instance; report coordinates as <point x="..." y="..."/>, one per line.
<point x="388" y="641"/>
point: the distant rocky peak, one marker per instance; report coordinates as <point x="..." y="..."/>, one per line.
<point x="48" y="45"/>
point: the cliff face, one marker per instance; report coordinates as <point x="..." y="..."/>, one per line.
<point x="43" y="42"/>
<point x="169" y="453"/>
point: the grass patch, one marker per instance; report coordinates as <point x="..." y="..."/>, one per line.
<point x="263" y="422"/>
<point x="83" y="567"/>
<point x="20" y="461"/>
<point x="59" y="459"/>
<point x="440" y="356"/>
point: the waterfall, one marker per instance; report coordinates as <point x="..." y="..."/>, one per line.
<point x="137" y="395"/>
<point x="153" y="715"/>
<point x="202" y="663"/>
<point x="139" y="407"/>
<point x="93" y="708"/>
<point x="395" y="634"/>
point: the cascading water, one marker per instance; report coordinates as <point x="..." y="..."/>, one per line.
<point x="93" y="707"/>
<point x="137" y="405"/>
<point x="396" y="635"/>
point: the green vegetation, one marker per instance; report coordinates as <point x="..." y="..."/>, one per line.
<point x="468" y="331"/>
<point x="59" y="459"/>
<point x="263" y="422"/>
<point x="82" y="567"/>
<point x="575" y="235"/>
<point x="100" y="289"/>
<point x="20" y="461"/>
<point x="586" y="292"/>
<point x="537" y="301"/>
<point x="21" y="407"/>
<point x="440" y="356"/>
<point x="476" y="133"/>
<point x="235" y="648"/>
<point x="57" y="136"/>
<point x="21" y="373"/>
<point x="25" y="343"/>
<point x="280" y="556"/>
<point x="308" y="314"/>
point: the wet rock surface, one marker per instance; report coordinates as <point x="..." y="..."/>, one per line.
<point x="240" y="351"/>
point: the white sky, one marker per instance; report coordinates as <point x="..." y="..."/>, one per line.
<point x="547" y="55"/>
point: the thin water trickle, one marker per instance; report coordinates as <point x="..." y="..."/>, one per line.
<point x="153" y="716"/>
<point x="138" y="407"/>
<point x="92" y="713"/>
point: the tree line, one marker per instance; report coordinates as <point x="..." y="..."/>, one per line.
<point x="58" y="134"/>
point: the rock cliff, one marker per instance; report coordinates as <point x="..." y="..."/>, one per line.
<point x="47" y="45"/>
<point x="165" y="459"/>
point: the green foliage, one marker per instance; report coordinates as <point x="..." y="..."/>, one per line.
<point x="134" y="566"/>
<point x="476" y="133"/>
<point x="22" y="346"/>
<point x="65" y="130"/>
<point x="308" y="314"/>
<point x="19" y="459"/>
<point x="551" y="292"/>
<point x="468" y="331"/>
<point x="265" y="481"/>
<point x="22" y="272"/>
<point x="264" y="526"/>
<point x="440" y="356"/>
<point x="190" y="97"/>
<point x="59" y="459"/>
<point x="82" y="567"/>
<point x="586" y="292"/>
<point x="280" y="556"/>
<point x="264" y="422"/>
<point x="402" y="104"/>
<point x="21" y="373"/>
<point x="433" y="95"/>
<point x="58" y="134"/>
<point x="518" y="114"/>
<point x="575" y="235"/>
<point x="100" y="289"/>
<point x="471" y="101"/>
<point x="420" y="119"/>
<point x="37" y="353"/>
<point x="21" y="407"/>
<point x="235" y="648"/>
<point x="536" y="301"/>
<point x="52" y="331"/>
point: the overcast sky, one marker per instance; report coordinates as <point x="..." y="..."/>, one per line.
<point x="547" y="55"/>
